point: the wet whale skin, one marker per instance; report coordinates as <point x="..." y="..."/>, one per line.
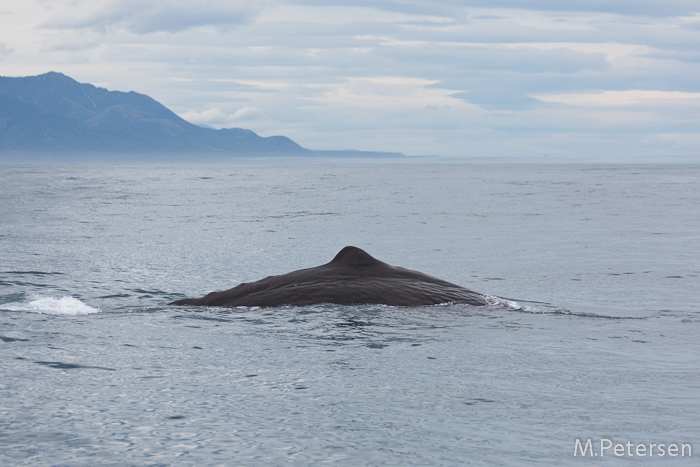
<point x="353" y="277"/>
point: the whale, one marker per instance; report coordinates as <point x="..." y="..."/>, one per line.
<point x="352" y="277"/>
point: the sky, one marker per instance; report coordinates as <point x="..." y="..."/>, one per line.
<point x="569" y="80"/>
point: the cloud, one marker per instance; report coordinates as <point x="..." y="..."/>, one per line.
<point x="450" y="77"/>
<point x="635" y="97"/>
<point x="626" y="7"/>
<point x="431" y="8"/>
<point x="386" y="94"/>
<point x="525" y="58"/>
<point x="216" y="118"/>
<point x="5" y="50"/>
<point x="154" y="16"/>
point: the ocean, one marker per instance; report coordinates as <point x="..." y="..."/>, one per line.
<point x="590" y="353"/>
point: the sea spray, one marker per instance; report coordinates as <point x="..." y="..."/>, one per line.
<point x="53" y="306"/>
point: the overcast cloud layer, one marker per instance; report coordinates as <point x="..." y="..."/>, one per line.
<point x="576" y="80"/>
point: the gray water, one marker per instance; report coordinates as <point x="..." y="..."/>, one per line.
<point x="594" y="334"/>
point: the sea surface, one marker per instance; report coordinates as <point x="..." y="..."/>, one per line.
<point x="594" y="334"/>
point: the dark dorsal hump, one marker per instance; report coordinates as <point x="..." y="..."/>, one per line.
<point x="353" y="256"/>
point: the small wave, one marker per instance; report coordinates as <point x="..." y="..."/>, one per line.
<point x="511" y="305"/>
<point x="53" y="306"/>
<point x="546" y="309"/>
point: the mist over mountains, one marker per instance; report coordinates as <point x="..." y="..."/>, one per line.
<point x="52" y="117"/>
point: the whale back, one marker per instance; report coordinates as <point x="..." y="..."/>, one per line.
<point x="351" y="256"/>
<point x="352" y="277"/>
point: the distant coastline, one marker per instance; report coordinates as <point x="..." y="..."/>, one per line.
<point x="53" y="118"/>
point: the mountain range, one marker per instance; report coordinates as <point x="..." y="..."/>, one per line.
<point x="52" y="117"/>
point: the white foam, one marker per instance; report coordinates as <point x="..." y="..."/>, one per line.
<point x="510" y="304"/>
<point x="53" y="306"/>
